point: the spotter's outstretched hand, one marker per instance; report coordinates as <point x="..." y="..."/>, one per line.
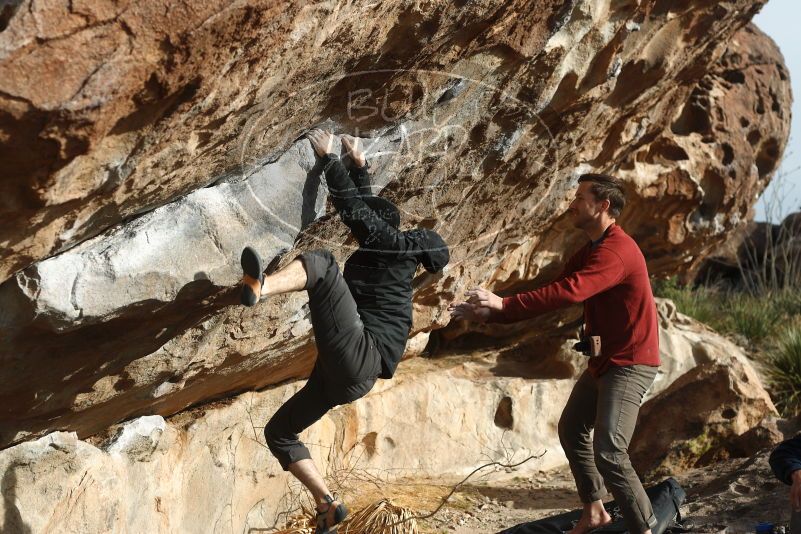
<point x="465" y="311"/>
<point x="482" y="297"/>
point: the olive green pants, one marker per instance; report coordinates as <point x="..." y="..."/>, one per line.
<point x="610" y="405"/>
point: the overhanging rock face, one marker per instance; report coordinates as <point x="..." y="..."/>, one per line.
<point x="699" y="178"/>
<point x="137" y="170"/>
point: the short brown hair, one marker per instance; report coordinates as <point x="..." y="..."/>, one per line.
<point x="606" y="187"/>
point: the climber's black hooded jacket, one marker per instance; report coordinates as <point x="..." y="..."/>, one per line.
<point x="379" y="274"/>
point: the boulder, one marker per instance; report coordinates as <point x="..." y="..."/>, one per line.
<point x="761" y="254"/>
<point x="712" y="404"/>
<point x="136" y="171"/>
<point x="208" y="469"/>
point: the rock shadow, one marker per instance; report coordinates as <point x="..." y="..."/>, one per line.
<point x="12" y="519"/>
<point x="533" y="498"/>
<point x="64" y="365"/>
<point x="311" y="186"/>
<point x="538" y="360"/>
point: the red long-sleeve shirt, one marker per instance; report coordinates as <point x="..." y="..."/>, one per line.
<point x="611" y="279"/>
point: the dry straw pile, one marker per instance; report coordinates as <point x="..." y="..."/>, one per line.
<point x="381" y="517"/>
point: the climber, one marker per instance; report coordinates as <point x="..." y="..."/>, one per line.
<point x="610" y="277"/>
<point x="361" y="319"/>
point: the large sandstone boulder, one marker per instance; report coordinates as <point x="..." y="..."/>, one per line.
<point x="705" y="408"/>
<point x="144" y="144"/>
<point x="716" y="409"/>
<point x="207" y="469"/>
<point x="732" y="123"/>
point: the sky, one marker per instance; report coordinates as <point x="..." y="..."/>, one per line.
<point x="779" y="19"/>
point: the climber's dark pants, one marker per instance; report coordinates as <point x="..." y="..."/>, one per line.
<point x="610" y="404"/>
<point x="347" y="365"/>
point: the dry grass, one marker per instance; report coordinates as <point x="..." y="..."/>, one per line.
<point x="381" y="517"/>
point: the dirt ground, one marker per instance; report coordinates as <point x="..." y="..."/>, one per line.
<point x="730" y="497"/>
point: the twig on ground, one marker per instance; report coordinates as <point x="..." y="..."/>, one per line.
<point x="465" y="479"/>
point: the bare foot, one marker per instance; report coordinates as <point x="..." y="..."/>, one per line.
<point x="591" y="519"/>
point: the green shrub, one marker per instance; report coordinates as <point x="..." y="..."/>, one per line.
<point x="701" y="303"/>
<point x="770" y="321"/>
<point x="729" y="311"/>
<point x="755" y="318"/>
<point x="789" y="302"/>
<point x="783" y="369"/>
